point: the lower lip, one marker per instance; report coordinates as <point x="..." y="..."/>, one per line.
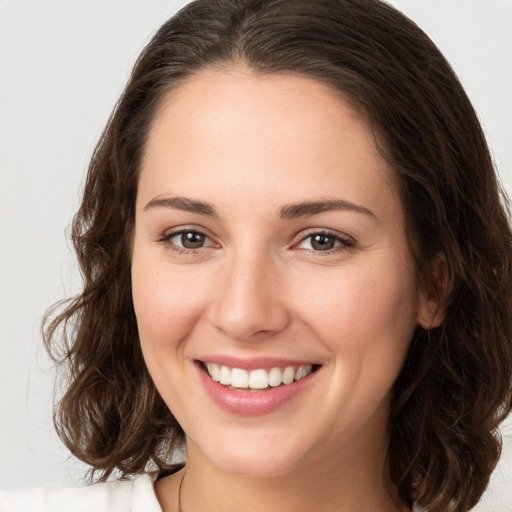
<point x="251" y="402"/>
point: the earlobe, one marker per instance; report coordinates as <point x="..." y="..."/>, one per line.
<point x="431" y="312"/>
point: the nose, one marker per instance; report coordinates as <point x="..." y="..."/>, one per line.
<point x="250" y="303"/>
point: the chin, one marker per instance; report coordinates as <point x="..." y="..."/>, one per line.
<point x="251" y="456"/>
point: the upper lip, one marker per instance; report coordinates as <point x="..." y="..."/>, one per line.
<point x="253" y="363"/>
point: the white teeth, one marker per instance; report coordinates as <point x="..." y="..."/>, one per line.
<point x="239" y="378"/>
<point x="303" y="371"/>
<point x="288" y="375"/>
<point x="274" y="377"/>
<point x="257" y="379"/>
<point x="225" y="375"/>
<point x="214" y="371"/>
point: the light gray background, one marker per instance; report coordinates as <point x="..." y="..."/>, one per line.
<point x="62" y="66"/>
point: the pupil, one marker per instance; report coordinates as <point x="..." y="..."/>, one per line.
<point x="322" y="242"/>
<point x="191" y="240"/>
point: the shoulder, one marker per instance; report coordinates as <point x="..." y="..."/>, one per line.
<point x="135" y="495"/>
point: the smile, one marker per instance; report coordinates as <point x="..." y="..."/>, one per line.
<point x="255" y="386"/>
<point x="257" y="379"/>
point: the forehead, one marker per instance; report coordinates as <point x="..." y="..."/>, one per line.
<point x="221" y="126"/>
<point x="280" y="101"/>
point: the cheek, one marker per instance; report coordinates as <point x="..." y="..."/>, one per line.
<point x="366" y="312"/>
<point x="167" y="307"/>
<point x="167" y="304"/>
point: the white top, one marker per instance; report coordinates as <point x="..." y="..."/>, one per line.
<point x="137" y="495"/>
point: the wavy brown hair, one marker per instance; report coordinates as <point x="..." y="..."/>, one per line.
<point x="455" y="386"/>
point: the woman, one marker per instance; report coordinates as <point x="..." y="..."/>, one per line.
<point x="292" y="238"/>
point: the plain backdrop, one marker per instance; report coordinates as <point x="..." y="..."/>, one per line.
<point x="62" y="66"/>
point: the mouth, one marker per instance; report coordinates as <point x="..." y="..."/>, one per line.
<point x="259" y="379"/>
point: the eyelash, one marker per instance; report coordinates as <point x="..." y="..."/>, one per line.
<point x="166" y="239"/>
<point x="344" y="243"/>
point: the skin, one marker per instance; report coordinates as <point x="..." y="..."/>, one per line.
<point x="249" y="145"/>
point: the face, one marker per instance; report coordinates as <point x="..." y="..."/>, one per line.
<point x="273" y="284"/>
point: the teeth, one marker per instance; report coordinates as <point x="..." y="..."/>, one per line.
<point x="288" y="375"/>
<point x="225" y="375"/>
<point x="214" y="371"/>
<point x="274" y="377"/>
<point x="303" y="371"/>
<point x="239" y="378"/>
<point x="257" y="379"/>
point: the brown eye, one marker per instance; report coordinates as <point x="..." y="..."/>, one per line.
<point x="187" y="240"/>
<point x="192" y="239"/>
<point x="322" y="242"/>
<point x="325" y="242"/>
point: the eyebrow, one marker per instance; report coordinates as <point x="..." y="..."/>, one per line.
<point x="292" y="211"/>
<point x="182" y="203"/>
<point x="289" y="211"/>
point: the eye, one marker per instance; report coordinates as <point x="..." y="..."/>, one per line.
<point x="324" y="242"/>
<point x="187" y="240"/>
<point x="190" y="239"/>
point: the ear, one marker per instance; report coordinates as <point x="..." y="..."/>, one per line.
<point x="431" y="313"/>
